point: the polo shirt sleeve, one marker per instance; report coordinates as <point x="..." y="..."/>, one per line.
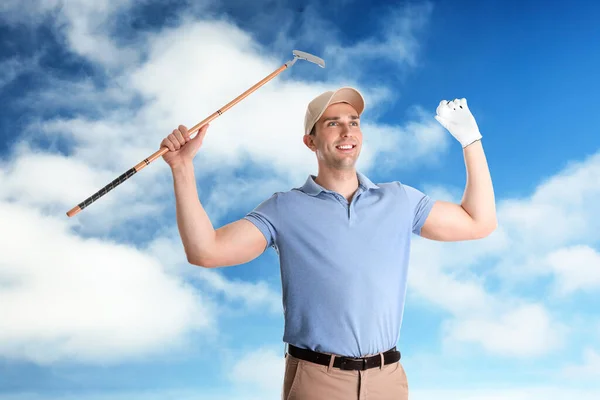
<point x="265" y="218"/>
<point x="420" y="205"/>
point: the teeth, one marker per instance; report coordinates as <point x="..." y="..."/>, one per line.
<point x="346" y="147"/>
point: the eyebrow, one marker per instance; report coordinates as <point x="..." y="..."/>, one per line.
<point x="353" y="117"/>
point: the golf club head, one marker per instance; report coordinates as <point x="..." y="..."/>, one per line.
<point x="309" y="57"/>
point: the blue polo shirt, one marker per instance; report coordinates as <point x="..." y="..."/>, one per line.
<point x="343" y="265"/>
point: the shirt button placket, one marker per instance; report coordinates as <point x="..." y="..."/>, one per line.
<point x="351" y="211"/>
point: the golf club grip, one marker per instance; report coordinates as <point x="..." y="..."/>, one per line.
<point x="122" y="178"/>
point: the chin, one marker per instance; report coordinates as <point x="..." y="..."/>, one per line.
<point x="346" y="164"/>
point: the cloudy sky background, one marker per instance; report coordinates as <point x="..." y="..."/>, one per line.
<point x="104" y="305"/>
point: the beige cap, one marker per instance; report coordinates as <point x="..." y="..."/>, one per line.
<point x="319" y="104"/>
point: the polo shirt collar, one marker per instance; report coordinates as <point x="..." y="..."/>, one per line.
<point x="312" y="188"/>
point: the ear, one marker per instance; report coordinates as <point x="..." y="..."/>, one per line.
<point x="309" y="142"/>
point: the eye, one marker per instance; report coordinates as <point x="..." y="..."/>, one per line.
<point x="331" y="123"/>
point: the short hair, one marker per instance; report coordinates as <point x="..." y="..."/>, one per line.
<point x="313" y="131"/>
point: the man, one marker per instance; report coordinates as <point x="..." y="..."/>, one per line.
<point x="343" y="244"/>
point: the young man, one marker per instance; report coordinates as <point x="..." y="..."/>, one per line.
<point x="343" y="244"/>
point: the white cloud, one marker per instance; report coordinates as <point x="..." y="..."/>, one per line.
<point x="230" y="192"/>
<point x="253" y="294"/>
<point x="563" y="210"/>
<point x="588" y="369"/>
<point x="86" y="31"/>
<point x="55" y="183"/>
<point x="14" y="11"/>
<point x="393" y="42"/>
<point x="10" y="69"/>
<point x="549" y="234"/>
<point x="260" y="370"/>
<point x="501" y="324"/>
<point x="555" y="231"/>
<point x="66" y="298"/>
<point x="42" y="179"/>
<point x="522" y="332"/>
<point x="398" y="42"/>
<point x="503" y="393"/>
<point x="81" y="97"/>
<point x="419" y="142"/>
<point x="457" y="295"/>
<point x="85" y="25"/>
<point x="183" y="394"/>
<point x="575" y="268"/>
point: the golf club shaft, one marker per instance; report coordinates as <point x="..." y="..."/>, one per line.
<point x="141" y="165"/>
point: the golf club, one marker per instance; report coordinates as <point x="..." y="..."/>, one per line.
<point x="298" y="55"/>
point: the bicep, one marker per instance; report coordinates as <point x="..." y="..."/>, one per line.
<point x="449" y="222"/>
<point x="236" y="243"/>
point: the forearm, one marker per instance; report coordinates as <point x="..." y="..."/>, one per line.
<point x="196" y="231"/>
<point x="478" y="199"/>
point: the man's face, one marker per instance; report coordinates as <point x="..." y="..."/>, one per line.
<point x="338" y="139"/>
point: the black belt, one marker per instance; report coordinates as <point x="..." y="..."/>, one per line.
<point x="345" y="363"/>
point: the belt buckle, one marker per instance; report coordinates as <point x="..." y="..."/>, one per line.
<point x="346" y="359"/>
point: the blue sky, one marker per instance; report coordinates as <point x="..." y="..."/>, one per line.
<point x="104" y="305"/>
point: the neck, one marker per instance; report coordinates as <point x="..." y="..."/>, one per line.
<point x="344" y="182"/>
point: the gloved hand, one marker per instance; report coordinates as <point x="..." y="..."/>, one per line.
<point x="456" y="117"/>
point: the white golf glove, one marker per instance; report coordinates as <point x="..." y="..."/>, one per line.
<point x="456" y="117"/>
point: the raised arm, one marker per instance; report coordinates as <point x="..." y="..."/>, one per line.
<point x="233" y="244"/>
<point x="475" y="216"/>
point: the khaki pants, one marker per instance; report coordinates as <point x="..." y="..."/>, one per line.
<point x="304" y="380"/>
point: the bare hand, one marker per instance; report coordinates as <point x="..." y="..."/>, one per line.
<point x="182" y="148"/>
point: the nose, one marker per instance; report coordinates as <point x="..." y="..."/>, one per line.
<point x="346" y="131"/>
